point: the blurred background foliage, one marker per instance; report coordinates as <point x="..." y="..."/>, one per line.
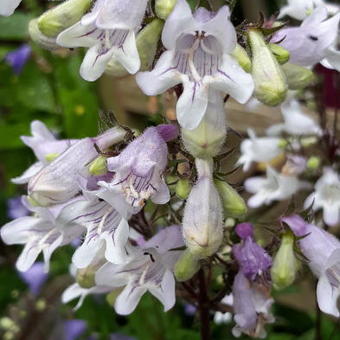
<point x="50" y="89"/>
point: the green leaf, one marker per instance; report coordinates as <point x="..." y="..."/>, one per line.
<point x="15" y="27"/>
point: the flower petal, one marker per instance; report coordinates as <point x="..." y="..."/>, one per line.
<point x="327" y="297"/>
<point x="128" y="299"/>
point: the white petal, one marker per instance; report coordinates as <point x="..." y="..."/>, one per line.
<point x="232" y="79"/>
<point x="28" y="174"/>
<point x="192" y="104"/>
<point x="112" y="275"/>
<point x="84" y="255"/>
<point x="254" y="184"/>
<point x="331" y="214"/>
<point x="27" y="257"/>
<point x="7" y="7"/>
<point x="94" y="63"/>
<point x="49" y="251"/>
<point x="128" y="299"/>
<point x="257" y="200"/>
<point x="327" y="297"/>
<point x="161" y="78"/>
<point x="162" y="194"/>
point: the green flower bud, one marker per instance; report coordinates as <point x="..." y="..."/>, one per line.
<point x="147" y="41"/>
<point x="98" y="166"/>
<point x="280" y="53"/>
<point x="183" y="188"/>
<point x="163" y="8"/>
<point x="186" y="267"/>
<point x="241" y="55"/>
<point x="298" y="77"/>
<point x="85" y="277"/>
<point x="308" y="141"/>
<point x="313" y="163"/>
<point x="285" y="264"/>
<point x="233" y="204"/>
<point x="39" y="38"/>
<point x="270" y="81"/>
<point x="58" y="18"/>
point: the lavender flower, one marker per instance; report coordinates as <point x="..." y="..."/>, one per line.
<point x="18" y="58"/>
<point x="322" y="249"/>
<point x="15" y="208"/>
<point x="73" y="329"/>
<point x="198" y="56"/>
<point x="35" y="277"/>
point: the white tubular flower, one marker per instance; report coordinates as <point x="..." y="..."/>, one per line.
<point x="7" y="7"/>
<point x="151" y="269"/>
<point x="138" y="171"/>
<point x="326" y="196"/>
<point x="44" y="232"/>
<point x="296" y="122"/>
<point x="274" y="187"/>
<point x="106" y="229"/>
<point x="45" y="147"/>
<point x="258" y="149"/>
<point x="58" y="181"/>
<point x="309" y="43"/>
<point x="108" y="31"/>
<point x="198" y="56"/>
<point x="202" y="220"/>
<point x="299" y="9"/>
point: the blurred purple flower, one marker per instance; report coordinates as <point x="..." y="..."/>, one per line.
<point x="73" y="329"/>
<point x="117" y="336"/>
<point x="35" y="277"/>
<point x="15" y="208"/>
<point x="18" y="58"/>
<point x="189" y="309"/>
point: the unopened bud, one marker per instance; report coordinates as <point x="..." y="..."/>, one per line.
<point x="163" y="8"/>
<point x="207" y="139"/>
<point x="285" y="264"/>
<point x="146" y="41"/>
<point x="280" y="53"/>
<point x="270" y="81"/>
<point x="232" y="203"/>
<point x="298" y="77"/>
<point x="98" y="166"/>
<point x="39" y="38"/>
<point x="183" y="188"/>
<point x="186" y="267"/>
<point x="313" y="163"/>
<point x="58" y="18"/>
<point x="241" y="55"/>
<point x="202" y="220"/>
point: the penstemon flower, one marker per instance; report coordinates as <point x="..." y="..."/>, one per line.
<point x="138" y="171"/>
<point x="322" y="249"/>
<point x="198" y="56"/>
<point x="108" y="31"/>
<point x="151" y="269"/>
<point x="326" y="196"/>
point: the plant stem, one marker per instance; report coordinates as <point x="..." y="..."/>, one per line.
<point x="203" y="306"/>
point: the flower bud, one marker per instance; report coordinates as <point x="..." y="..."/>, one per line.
<point x="58" y="18"/>
<point x="280" y="53"/>
<point x="241" y="55"/>
<point x="298" y="77"/>
<point x="98" y="166"/>
<point x="186" y="267"/>
<point x="313" y="163"/>
<point x="232" y="203"/>
<point x="163" y="8"/>
<point x="147" y="41"/>
<point x="270" y="81"/>
<point x="207" y="139"/>
<point x="202" y="220"/>
<point x="183" y="188"/>
<point x="285" y="264"/>
<point x="39" y="38"/>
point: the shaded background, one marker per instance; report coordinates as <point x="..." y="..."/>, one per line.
<point x="50" y="89"/>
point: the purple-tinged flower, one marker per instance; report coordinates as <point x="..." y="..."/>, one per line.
<point x="253" y="260"/>
<point x="44" y="232"/>
<point x="322" y="249"/>
<point x="151" y="269"/>
<point x="251" y="306"/>
<point x="309" y="43"/>
<point x="189" y="309"/>
<point x="108" y="31"/>
<point x="198" y="56"/>
<point x="73" y="329"/>
<point x="7" y="7"/>
<point x="299" y="9"/>
<point x="18" y="58"/>
<point x="58" y="181"/>
<point x="15" y="208"/>
<point x="35" y="277"/>
<point x="202" y="220"/>
<point x="326" y="196"/>
<point x="138" y="172"/>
